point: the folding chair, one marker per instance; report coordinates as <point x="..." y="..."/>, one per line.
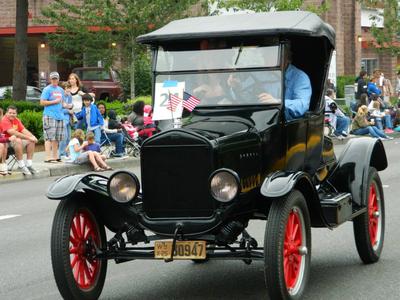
<point x="11" y="158"/>
<point x="106" y="145"/>
<point x="132" y="146"/>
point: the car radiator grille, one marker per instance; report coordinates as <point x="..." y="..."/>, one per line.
<point x="175" y="181"/>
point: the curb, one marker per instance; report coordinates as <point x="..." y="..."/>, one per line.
<point x="68" y="169"/>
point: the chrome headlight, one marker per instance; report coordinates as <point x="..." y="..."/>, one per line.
<point x="123" y="186"/>
<point x="224" y="185"/>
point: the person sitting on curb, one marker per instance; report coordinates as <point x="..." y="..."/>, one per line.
<point x="91" y="117"/>
<point x="3" y="149"/>
<point x="76" y="147"/>
<point x="92" y="145"/>
<point x="361" y="126"/>
<point x="20" y="138"/>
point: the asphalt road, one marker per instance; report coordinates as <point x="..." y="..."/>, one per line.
<point x="336" y="270"/>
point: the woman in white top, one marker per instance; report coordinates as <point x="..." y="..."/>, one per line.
<point x="77" y="90"/>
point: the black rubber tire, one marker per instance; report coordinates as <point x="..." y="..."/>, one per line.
<point x="60" y="256"/>
<point x="362" y="238"/>
<point x="273" y="245"/>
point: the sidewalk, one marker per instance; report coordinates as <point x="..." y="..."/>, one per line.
<point x="61" y="169"/>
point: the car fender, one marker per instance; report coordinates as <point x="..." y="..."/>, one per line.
<point x="351" y="171"/>
<point x="67" y="185"/>
<point x="280" y="184"/>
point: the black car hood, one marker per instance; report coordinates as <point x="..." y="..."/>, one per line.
<point x="214" y="125"/>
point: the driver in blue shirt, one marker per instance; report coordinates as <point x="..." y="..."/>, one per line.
<point x="297" y="91"/>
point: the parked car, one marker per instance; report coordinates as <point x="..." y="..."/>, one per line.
<point x="105" y="83"/>
<point x="233" y="160"/>
<point x="32" y="93"/>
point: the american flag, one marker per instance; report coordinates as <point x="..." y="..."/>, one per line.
<point x="173" y="102"/>
<point x="189" y="101"/>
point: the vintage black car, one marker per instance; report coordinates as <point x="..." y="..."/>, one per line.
<point x="231" y="160"/>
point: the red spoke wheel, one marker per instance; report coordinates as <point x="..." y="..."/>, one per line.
<point x="75" y="235"/>
<point x="287" y="247"/>
<point x="369" y="228"/>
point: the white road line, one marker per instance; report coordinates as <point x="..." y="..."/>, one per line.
<point x="385" y="185"/>
<point x="8" y="217"/>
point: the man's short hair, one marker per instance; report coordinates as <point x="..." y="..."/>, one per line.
<point x="13" y="107"/>
<point x="330" y="92"/>
<point x="363" y="73"/>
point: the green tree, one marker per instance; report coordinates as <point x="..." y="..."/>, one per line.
<point x="388" y="37"/>
<point x="20" y="50"/>
<point x="90" y="28"/>
<point x="270" y="5"/>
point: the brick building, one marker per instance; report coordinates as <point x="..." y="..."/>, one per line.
<point x="39" y="54"/>
<point x="354" y="42"/>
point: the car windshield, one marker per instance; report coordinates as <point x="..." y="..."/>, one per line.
<point x="235" y="76"/>
<point x="96" y="75"/>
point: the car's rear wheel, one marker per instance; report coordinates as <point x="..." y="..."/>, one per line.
<point x="75" y="235"/>
<point x="369" y="228"/>
<point x="287" y="247"/>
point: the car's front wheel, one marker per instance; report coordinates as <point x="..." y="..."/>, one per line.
<point x="287" y="247"/>
<point x="75" y="235"/>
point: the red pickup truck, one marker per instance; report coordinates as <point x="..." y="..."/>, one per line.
<point x="103" y="82"/>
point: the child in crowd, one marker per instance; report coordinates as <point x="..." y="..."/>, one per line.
<point x="112" y="120"/>
<point x="130" y="129"/>
<point x="68" y="119"/>
<point x="377" y="111"/>
<point x="91" y="117"/>
<point x="77" y="156"/>
<point x="148" y="117"/>
<point x="92" y="145"/>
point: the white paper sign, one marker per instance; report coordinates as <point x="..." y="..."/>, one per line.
<point x="161" y="98"/>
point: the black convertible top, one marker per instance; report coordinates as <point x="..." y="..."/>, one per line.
<point x="298" y="23"/>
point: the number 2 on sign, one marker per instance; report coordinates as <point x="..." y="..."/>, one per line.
<point x="165" y="97"/>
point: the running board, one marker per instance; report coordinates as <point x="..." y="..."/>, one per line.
<point x="337" y="208"/>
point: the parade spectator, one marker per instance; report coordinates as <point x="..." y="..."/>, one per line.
<point x="77" y="91"/>
<point x="387" y="91"/>
<point x="361" y="125"/>
<point x="114" y="135"/>
<point x="68" y="119"/>
<point x="377" y="111"/>
<point x="362" y="84"/>
<point x="77" y="156"/>
<point x="136" y="116"/>
<point x="337" y="118"/>
<point x="92" y="119"/>
<point x="92" y="145"/>
<point x="53" y="117"/>
<point x="398" y="84"/>
<point x="330" y="85"/>
<point x="19" y="138"/>
<point x="372" y="87"/>
<point x="3" y="149"/>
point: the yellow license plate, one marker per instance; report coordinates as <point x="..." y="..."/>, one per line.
<point x="183" y="249"/>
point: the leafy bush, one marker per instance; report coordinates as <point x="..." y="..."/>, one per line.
<point x="123" y="109"/>
<point x="341" y="81"/>
<point x="21" y="105"/>
<point x="32" y="120"/>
